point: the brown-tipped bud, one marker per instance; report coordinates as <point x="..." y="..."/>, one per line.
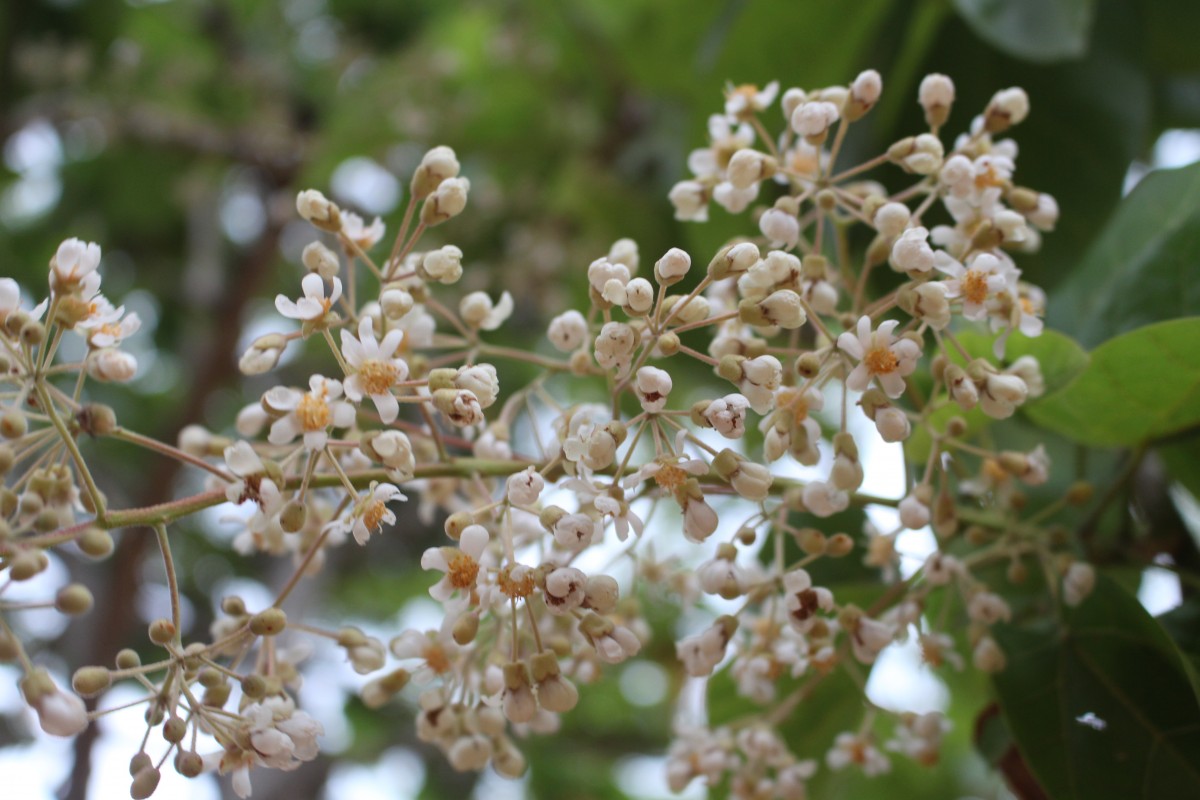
<point x="293" y="516"/>
<point x="91" y="681"/>
<point x="987" y="237"/>
<point x="456" y="523"/>
<point x="465" y="628"/>
<point x="13" y="424"/>
<point x="189" y="764"/>
<point x="7" y="459"/>
<point x="268" y="622"/>
<point x="97" y="419"/>
<point x="826" y="199"/>
<point x="1080" y="493"/>
<point x="977" y="535"/>
<point x="174" y="729"/>
<point x="139" y="762"/>
<point x="840" y="544"/>
<point x="1018" y="500"/>
<point x="74" y="599"/>
<point x="746" y="536"/>
<point x="162" y="631"/>
<point x="956" y="427"/>
<point x="209" y="677"/>
<point x="33" y="333"/>
<point x="812" y="541"/>
<point x="878" y="252"/>
<point x="1017" y="572"/>
<point x="807" y="365"/>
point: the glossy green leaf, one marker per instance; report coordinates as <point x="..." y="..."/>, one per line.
<point x="1142" y="268"/>
<point x="1034" y="30"/>
<point x="1102" y="706"/>
<point x="1138" y="386"/>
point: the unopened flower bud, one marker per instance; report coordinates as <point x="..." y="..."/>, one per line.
<point x="74" y="599"/>
<point x="436" y="166"/>
<point x="446" y="202"/>
<point x="91" y="681"/>
<point x="1008" y="107"/>
<point x="269" y="622"/>
<point x="263" y="354"/>
<point x="319" y="210"/>
<point x="936" y="96"/>
<point x="320" y="259"/>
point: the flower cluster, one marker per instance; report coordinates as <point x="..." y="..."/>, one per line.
<point x="786" y="332"/>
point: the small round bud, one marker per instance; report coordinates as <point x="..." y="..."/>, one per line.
<point x="144" y="783"/>
<point x="465" y="628"/>
<point x="812" y="542"/>
<point x="162" y="631"/>
<point x="320" y="259"/>
<point x="269" y="622"/>
<point x="174" y="729"/>
<point x="233" y="605"/>
<point x="91" y="681"/>
<point x="254" y="686"/>
<point x="97" y="419"/>
<point x="293" y="516"/>
<point x="840" y="544"/>
<point x="26" y="564"/>
<point x="13" y="424"/>
<point x="74" y="599"/>
<point x="189" y="763"/>
<point x="458" y="522"/>
<point x="128" y="658"/>
<point x="33" y="333"/>
<point x="139" y="762"/>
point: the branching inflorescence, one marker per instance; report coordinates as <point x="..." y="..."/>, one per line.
<point x="815" y="356"/>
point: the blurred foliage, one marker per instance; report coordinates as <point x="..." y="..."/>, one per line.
<point x="178" y="132"/>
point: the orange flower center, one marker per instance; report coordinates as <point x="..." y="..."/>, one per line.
<point x="313" y="412"/>
<point x="373" y="516"/>
<point x="377" y="376"/>
<point x="670" y="476"/>
<point x="881" y="360"/>
<point x="516" y="587"/>
<point x="463" y="570"/>
<point x="974" y="286"/>
<point x="436" y="658"/>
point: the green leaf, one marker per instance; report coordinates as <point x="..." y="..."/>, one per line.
<point x="1138" y="386"/>
<point x="1034" y="30"/>
<point x="1141" y="269"/>
<point x="1102" y="707"/>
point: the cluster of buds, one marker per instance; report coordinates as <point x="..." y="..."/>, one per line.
<point x="408" y="401"/>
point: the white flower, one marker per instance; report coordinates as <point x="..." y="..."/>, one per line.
<point x="59" y="713"/>
<point x="310" y="414"/>
<point x="478" y="311"/>
<point x="525" y="487"/>
<point x="253" y="484"/>
<point x="824" y="499"/>
<point x="395" y="451"/>
<point x="988" y="608"/>
<point x="804" y="600"/>
<point x="74" y="260"/>
<point x="746" y="100"/>
<point x="460" y="406"/>
<point x="314" y="305"/>
<point x="1001" y="394"/>
<point x="566" y="588"/>
<point x="567" y="331"/>
<point x="481" y="381"/>
<point x="701" y="653"/>
<point x="371" y="513"/>
<point x="781" y="228"/>
<point x="727" y="415"/>
<point x="690" y="200"/>
<point x="891" y="219"/>
<point x="365" y="236"/>
<point x="614" y="346"/>
<point x="975" y="284"/>
<point x="813" y="119"/>
<point x="110" y="364"/>
<point x="460" y="564"/>
<point x="375" y="368"/>
<point x="652" y="385"/>
<point x="574" y="531"/>
<point x="443" y="265"/>
<point x="435" y="650"/>
<point x="912" y="253"/>
<point x="104" y="326"/>
<point x="320" y="259"/>
<point x="761" y="376"/>
<point x="673" y="266"/>
<point x="880" y="355"/>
